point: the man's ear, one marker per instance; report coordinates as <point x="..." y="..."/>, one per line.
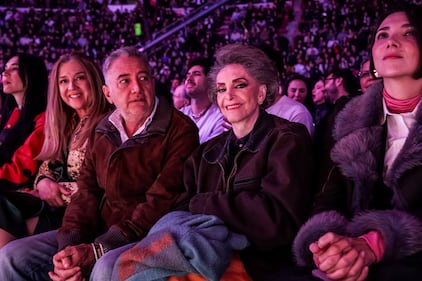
<point x="106" y="91"/>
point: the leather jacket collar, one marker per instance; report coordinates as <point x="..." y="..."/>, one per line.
<point x="262" y="128"/>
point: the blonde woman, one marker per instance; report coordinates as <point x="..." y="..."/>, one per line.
<point x="75" y="104"/>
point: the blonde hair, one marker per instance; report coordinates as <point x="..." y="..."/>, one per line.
<point x="61" y="119"/>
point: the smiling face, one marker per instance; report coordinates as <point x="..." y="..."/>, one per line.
<point x="12" y="82"/>
<point x="130" y="88"/>
<point x="395" y="51"/>
<point x="74" y="86"/>
<point x="239" y="97"/>
<point x="297" y="90"/>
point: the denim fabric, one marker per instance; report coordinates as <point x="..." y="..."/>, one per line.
<point x="103" y="268"/>
<point x="29" y="258"/>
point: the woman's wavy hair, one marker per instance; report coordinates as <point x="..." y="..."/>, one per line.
<point x="256" y="63"/>
<point x="34" y="75"/>
<point x="61" y="119"/>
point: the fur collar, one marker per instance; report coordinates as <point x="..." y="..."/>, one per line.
<point x="360" y="139"/>
<point x="361" y="112"/>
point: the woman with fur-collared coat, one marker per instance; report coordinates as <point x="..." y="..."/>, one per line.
<point x="368" y="222"/>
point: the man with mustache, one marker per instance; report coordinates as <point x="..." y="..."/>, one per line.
<point x="206" y="115"/>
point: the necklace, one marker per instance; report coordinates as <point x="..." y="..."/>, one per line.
<point x="200" y="114"/>
<point x="79" y="128"/>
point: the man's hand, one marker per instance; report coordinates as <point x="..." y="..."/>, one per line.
<point x="342" y="258"/>
<point x="72" y="262"/>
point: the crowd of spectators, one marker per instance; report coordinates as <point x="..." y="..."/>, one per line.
<point x="329" y="33"/>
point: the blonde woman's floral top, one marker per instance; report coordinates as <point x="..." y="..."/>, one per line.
<point x="65" y="175"/>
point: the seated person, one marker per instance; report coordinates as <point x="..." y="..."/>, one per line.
<point x="130" y="178"/>
<point x="366" y="78"/>
<point x="75" y="104"/>
<point x="257" y="176"/>
<point x="292" y="110"/>
<point x="180" y="98"/>
<point x="25" y="81"/>
<point x="368" y="216"/>
<point x="201" y="110"/>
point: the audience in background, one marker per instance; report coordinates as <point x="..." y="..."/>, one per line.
<point x="180" y="97"/>
<point x="340" y="86"/>
<point x="366" y="78"/>
<point x="319" y="98"/>
<point x="320" y="36"/>
<point x="202" y="111"/>
<point x="297" y="88"/>
<point x="291" y="110"/>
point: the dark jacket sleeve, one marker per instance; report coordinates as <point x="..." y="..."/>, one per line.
<point x="75" y="228"/>
<point x="165" y="190"/>
<point x="81" y="221"/>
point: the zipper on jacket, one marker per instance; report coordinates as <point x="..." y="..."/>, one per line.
<point x="233" y="170"/>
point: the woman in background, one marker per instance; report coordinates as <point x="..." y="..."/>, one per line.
<point x="321" y="106"/>
<point x="297" y="88"/>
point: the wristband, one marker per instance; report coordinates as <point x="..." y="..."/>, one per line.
<point x="98" y="250"/>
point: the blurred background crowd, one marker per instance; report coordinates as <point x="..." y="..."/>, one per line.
<point x="305" y="37"/>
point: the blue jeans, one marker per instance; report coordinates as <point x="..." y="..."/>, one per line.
<point x="29" y="258"/>
<point x="103" y="268"/>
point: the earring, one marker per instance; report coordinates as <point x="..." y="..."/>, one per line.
<point x="376" y="74"/>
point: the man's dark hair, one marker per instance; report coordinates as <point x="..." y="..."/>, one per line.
<point x="350" y="82"/>
<point x="204" y="62"/>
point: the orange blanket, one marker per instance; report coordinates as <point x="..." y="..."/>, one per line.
<point x="235" y="272"/>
